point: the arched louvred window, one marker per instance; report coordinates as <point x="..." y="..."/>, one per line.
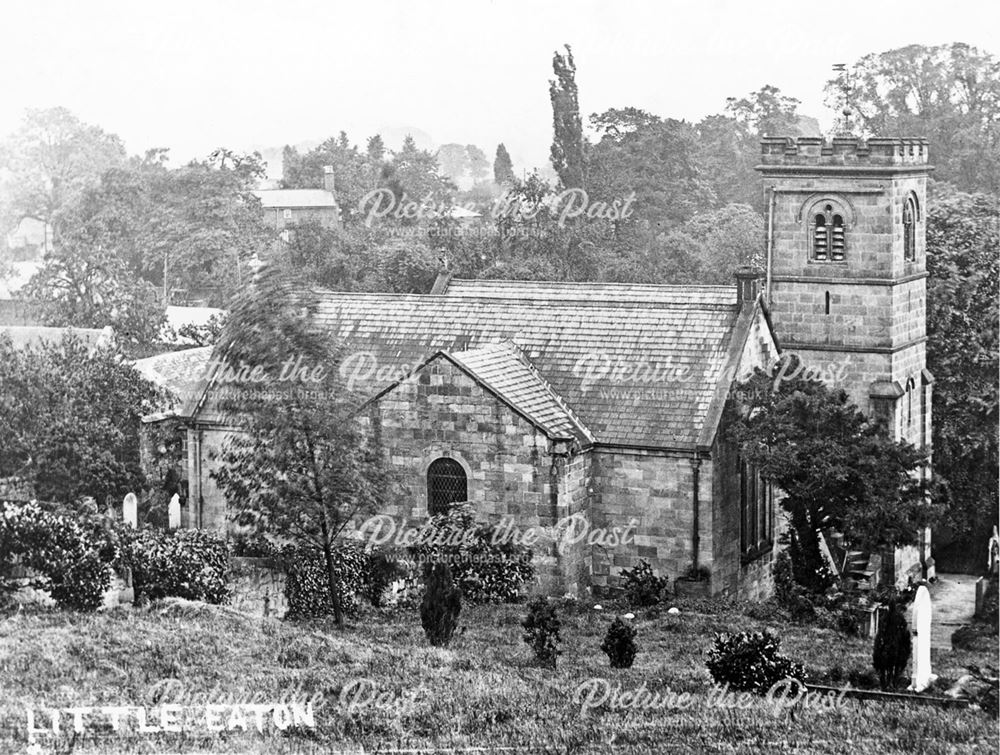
<point x="820" y="246"/>
<point x="910" y="230"/>
<point x="837" y="239"/>
<point x="829" y="238"/>
<point x="446" y="484"/>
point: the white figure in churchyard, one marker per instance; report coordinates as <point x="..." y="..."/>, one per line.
<point x="993" y="557"/>
<point x="130" y="510"/>
<point x="174" y="512"/>
<point x="922" y="676"/>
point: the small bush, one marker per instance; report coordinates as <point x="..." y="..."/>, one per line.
<point x="441" y="605"/>
<point x="891" y="651"/>
<point x="541" y="631"/>
<point x="486" y="571"/>
<point x="642" y="587"/>
<point x="190" y="564"/>
<point x="381" y="570"/>
<point x="72" y="563"/>
<point x="750" y="661"/>
<point x="619" y="643"/>
<point x="307" y="583"/>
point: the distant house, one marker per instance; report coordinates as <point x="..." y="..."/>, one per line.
<point x="289" y="207"/>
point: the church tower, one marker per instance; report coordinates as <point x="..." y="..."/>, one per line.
<point x="846" y="268"/>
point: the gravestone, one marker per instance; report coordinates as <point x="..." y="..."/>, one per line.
<point x="174" y="512"/>
<point x="130" y="510"/>
<point x="922" y="676"/>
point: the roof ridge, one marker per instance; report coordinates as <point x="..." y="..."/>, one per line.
<point x="616" y="284"/>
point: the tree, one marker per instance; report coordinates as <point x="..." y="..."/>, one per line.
<point x="766" y="112"/>
<point x="567" y="143"/>
<point x="49" y="161"/>
<point x="300" y="464"/>
<point x="413" y="174"/>
<point x="949" y="94"/>
<point x="503" y="168"/>
<point x="962" y="354"/>
<point x="357" y="173"/>
<point x="454" y="160"/>
<point x="71" y="420"/>
<point x="836" y="467"/>
<point x="479" y="166"/>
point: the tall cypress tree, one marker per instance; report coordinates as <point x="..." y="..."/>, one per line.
<point x="503" y="167"/>
<point x="567" y="143"/>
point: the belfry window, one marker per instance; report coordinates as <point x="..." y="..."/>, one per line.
<point x="446" y="484"/>
<point x="829" y="241"/>
<point x="910" y="230"/>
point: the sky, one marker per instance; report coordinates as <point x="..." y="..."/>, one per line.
<point x="253" y="74"/>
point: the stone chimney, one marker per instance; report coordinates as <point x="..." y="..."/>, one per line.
<point x="443" y="278"/>
<point x="747" y="285"/>
<point x="328" y="182"/>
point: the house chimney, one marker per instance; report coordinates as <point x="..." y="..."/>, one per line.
<point x="328" y="182"/>
<point x="443" y="278"/>
<point x="747" y="285"/>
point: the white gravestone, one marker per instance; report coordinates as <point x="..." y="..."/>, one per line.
<point x="130" y="510"/>
<point x="922" y="676"/>
<point x="174" y="512"/>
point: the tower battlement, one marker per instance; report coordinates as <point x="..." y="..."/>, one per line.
<point x="876" y="152"/>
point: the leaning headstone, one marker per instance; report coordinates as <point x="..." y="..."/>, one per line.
<point x="130" y="510"/>
<point x="922" y="676"/>
<point x="174" y="512"/>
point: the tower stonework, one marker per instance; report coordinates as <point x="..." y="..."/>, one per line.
<point x="847" y="277"/>
<point x="848" y="273"/>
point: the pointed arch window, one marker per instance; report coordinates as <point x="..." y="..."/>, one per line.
<point x="910" y="230"/>
<point x="828" y="234"/>
<point x="446" y="484"/>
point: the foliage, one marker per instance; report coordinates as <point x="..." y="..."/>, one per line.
<point x="72" y="564"/>
<point x="503" y="167"/>
<point x="567" y="144"/>
<point x="891" y="651"/>
<point x="307" y="584"/>
<point x="487" y="567"/>
<point x="750" y="661"/>
<point x="642" y="587"/>
<point x="301" y="465"/>
<point x="619" y="643"/>
<point x="49" y="161"/>
<point x="949" y="94"/>
<point x="837" y="467"/>
<point x="541" y="631"/>
<point x="441" y="605"/>
<point x="72" y="416"/>
<point x="789" y="594"/>
<point x="185" y="563"/>
<point x="963" y="343"/>
<point x="381" y="570"/>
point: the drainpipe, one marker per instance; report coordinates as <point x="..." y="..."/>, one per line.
<point x="770" y="244"/>
<point x="695" y="537"/>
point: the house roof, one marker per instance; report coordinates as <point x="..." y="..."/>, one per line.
<point x="31" y="335"/>
<point x="295" y="198"/>
<point x="639" y="369"/>
<point x="503" y="370"/>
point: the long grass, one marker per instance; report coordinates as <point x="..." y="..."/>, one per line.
<point x="381" y="688"/>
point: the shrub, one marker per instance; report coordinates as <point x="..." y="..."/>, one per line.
<point x="486" y="571"/>
<point x="891" y="651"/>
<point x="750" y="661"/>
<point x="642" y="587"/>
<point x="191" y="564"/>
<point x="541" y="631"/>
<point x="71" y="562"/>
<point x="307" y="584"/>
<point x="381" y="570"/>
<point x="619" y="643"/>
<point x="788" y="592"/>
<point x="441" y="605"/>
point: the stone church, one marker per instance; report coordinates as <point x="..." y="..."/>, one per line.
<point x="539" y="401"/>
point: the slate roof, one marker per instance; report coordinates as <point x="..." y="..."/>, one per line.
<point x="177" y="371"/>
<point x="639" y="366"/>
<point x="605" y="292"/>
<point x="503" y="369"/>
<point x="296" y="198"/>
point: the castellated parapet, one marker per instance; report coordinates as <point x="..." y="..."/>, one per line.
<point x="876" y="152"/>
